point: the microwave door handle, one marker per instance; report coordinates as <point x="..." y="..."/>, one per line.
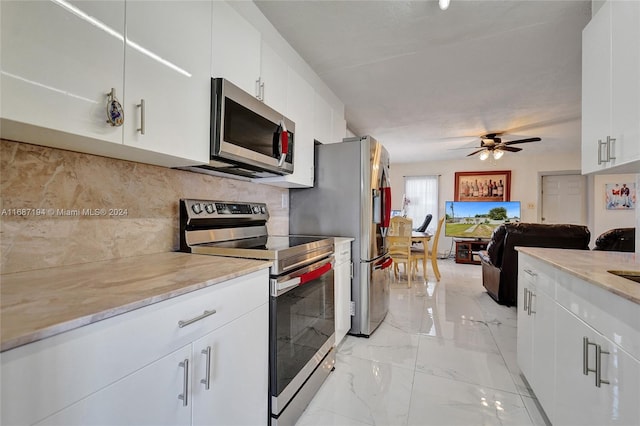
<point x="284" y="142"/>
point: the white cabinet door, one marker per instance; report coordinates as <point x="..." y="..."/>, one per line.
<point x="273" y="78"/>
<point x="543" y="350"/>
<point x="300" y="95"/>
<point x="596" y="90"/>
<point x="611" y="86"/>
<point x="580" y="401"/>
<point x="168" y="67"/>
<point x="342" y="291"/>
<point x="525" y="329"/>
<point x="625" y="80"/>
<point x="59" y="61"/>
<point x="235" y="48"/>
<point x="238" y="358"/>
<point x="322" y="123"/>
<point x="147" y="397"/>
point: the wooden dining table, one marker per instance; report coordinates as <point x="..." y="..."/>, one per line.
<point x="423" y="238"/>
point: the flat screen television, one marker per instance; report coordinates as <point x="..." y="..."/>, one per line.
<point x="478" y="219"/>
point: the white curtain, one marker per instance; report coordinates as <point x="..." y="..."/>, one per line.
<point x="421" y="198"/>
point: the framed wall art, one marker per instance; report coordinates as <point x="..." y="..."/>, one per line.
<point x="620" y="196"/>
<point x="483" y="186"/>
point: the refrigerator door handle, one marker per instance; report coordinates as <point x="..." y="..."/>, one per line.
<point x="377" y="206"/>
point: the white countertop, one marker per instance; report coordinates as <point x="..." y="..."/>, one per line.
<point x="44" y="302"/>
<point x="592" y="266"/>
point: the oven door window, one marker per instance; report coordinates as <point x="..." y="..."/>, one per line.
<point x="302" y="324"/>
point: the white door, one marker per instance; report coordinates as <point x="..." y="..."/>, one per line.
<point x="564" y="199"/>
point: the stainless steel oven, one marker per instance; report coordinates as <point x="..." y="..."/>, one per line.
<point x="301" y="308"/>
<point x="302" y="335"/>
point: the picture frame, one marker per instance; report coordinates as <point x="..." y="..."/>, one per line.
<point x="466" y="182"/>
<point x="620" y="196"/>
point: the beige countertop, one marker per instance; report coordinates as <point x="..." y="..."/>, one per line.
<point x="592" y="266"/>
<point x="44" y="302"/>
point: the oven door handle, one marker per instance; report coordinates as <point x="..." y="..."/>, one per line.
<point x="279" y="287"/>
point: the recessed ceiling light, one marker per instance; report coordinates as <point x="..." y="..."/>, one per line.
<point x="444" y="4"/>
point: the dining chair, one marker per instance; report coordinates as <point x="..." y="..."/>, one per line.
<point x="425" y="224"/>
<point x="399" y="245"/>
<point x="418" y="254"/>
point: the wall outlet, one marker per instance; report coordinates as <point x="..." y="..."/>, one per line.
<point x="285" y="201"/>
<point x="531" y="206"/>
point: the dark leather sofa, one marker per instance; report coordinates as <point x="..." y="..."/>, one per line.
<point x="500" y="260"/>
<point x="618" y="239"/>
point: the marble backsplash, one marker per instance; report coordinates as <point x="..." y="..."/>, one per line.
<point x="56" y="206"/>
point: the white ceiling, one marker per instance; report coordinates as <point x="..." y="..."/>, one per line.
<point x="427" y="82"/>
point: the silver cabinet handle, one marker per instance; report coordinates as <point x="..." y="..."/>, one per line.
<point x="207" y="379"/>
<point x="598" y="370"/>
<point x="184" y="396"/>
<point x="526" y="300"/>
<point x="141" y="106"/>
<point x="531" y="296"/>
<point x="600" y="145"/>
<point x="585" y="356"/>
<point x="198" y="318"/>
<point x="609" y="141"/>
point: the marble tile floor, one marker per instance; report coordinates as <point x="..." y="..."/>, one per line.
<point x="444" y="355"/>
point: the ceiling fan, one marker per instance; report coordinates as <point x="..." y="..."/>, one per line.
<point x="492" y="143"/>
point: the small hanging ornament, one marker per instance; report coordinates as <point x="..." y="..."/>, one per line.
<point x="115" y="115"/>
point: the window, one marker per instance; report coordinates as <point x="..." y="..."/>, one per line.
<point x="422" y="195"/>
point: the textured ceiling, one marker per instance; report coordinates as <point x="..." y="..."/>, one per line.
<point x="428" y="83"/>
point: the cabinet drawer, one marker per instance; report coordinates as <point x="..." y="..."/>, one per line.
<point x="537" y="274"/>
<point x="89" y="358"/>
<point x="615" y="317"/>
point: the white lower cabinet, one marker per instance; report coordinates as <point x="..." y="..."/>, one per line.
<point x="571" y="340"/>
<point x="150" y="366"/>
<point x="238" y="363"/>
<point x="147" y="397"/>
<point x="343" y="276"/>
<point x="535" y="343"/>
<point x="581" y="400"/>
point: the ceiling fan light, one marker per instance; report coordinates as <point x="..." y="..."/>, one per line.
<point x="444" y="4"/>
<point x="497" y="154"/>
<point x="484" y="155"/>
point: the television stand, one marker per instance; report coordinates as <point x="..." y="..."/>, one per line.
<point x="467" y="250"/>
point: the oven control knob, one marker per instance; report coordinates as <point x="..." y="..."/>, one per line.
<point x="197" y="208"/>
<point x="256" y="209"/>
<point x="209" y="208"/>
<point x="263" y="209"/>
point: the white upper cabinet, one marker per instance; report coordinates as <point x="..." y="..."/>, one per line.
<point x="167" y="76"/>
<point x="59" y="60"/>
<point x="300" y="96"/>
<point x="235" y="48"/>
<point x="611" y="88"/>
<point x="323" y="122"/>
<point x="273" y="79"/>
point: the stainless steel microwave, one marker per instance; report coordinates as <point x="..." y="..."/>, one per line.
<point x="248" y="138"/>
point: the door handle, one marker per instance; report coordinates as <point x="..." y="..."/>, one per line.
<point x="598" y="370"/>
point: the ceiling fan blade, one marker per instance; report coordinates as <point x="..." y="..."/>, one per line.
<point x="522" y="141"/>
<point x="510" y="148"/>
<point x="475" y="152"/>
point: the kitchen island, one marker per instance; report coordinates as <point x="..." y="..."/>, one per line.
<point x="579" y="334"/>
<point x="169" y="338"/>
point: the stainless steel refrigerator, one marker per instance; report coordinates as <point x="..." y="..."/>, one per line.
<point x="352" y="198"/>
